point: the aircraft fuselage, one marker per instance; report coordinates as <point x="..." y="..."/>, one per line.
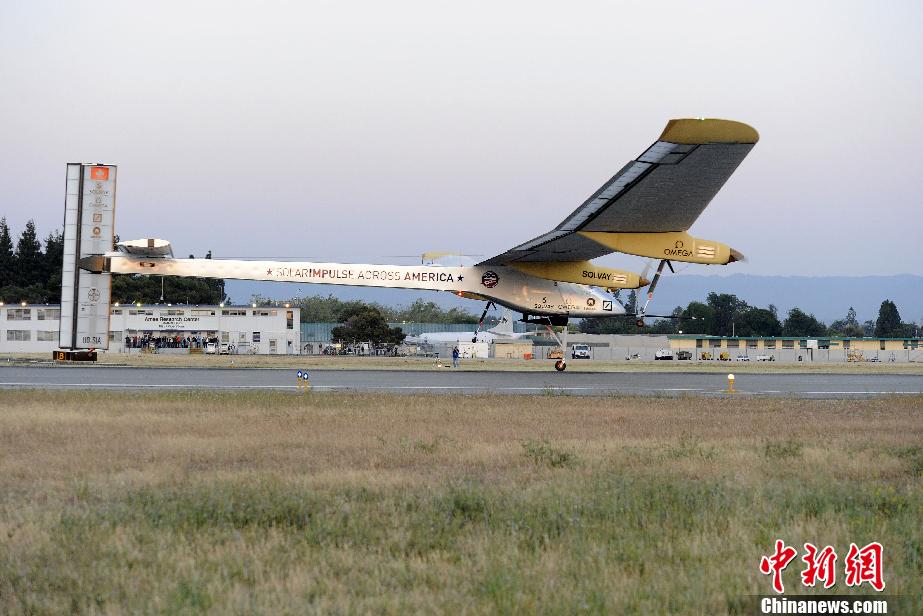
<point x="504" y="285"/>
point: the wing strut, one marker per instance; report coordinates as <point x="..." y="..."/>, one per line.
<point x="481" y="321"/>
<point x="650" y="289"/>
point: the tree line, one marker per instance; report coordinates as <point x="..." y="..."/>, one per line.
<point x="725" y="314"/>
<point x="329" y="309"/>
<point x="31" y="272"/>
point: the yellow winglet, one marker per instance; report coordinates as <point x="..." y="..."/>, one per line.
<point x="697" y="131"/>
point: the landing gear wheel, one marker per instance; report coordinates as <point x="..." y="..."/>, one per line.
<point x="640" y="322"/>
<point x="560" y="365"/>
<point x="475" y="339"/>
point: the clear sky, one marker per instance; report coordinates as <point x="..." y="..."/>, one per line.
<point x="349" y="131"/>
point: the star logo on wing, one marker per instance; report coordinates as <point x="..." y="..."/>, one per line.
<point x="460" y="278"/>
<point x="269" y="272"/>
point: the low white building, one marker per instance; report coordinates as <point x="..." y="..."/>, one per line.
<point x="241" y="329"/>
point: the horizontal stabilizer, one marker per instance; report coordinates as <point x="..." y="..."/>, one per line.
<point x="148" y="247"/>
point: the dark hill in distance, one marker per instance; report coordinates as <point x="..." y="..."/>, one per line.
<point x="828" y="297"/>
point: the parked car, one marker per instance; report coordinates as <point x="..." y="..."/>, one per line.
<point x="765" y="358"/>
<point x="743" y="358"/>
<point x="665" y="354"/>
<point x="683" y="355"/>
<point x="580" y="351"/>
<point x="555" y="353"/>
<point x="211" y="348"/>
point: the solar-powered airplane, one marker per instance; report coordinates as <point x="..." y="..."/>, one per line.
<point x="645" y="209"/>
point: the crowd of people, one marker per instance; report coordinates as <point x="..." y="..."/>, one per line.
<point x="168" y="342"/>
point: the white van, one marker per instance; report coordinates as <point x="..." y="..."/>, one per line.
<point x="580" y="351"/>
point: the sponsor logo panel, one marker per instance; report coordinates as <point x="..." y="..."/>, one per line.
<point x="490" y="279"/>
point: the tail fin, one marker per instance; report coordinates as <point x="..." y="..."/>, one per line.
<point x="89" y="216"/>
<point x="505" y="326"/>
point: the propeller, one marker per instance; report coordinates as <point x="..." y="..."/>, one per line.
<point x="648" y="266"/>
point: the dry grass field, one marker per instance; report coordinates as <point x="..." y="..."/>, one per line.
<point x="346" y="503"/>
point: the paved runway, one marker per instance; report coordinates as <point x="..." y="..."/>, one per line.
<point x="448" y="381"/>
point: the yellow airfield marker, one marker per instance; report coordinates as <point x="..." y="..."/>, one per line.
<point x="730" y="388"/>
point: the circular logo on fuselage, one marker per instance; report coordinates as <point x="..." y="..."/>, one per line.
<point x="590" y="302"/>
<point x="490" y="279"/>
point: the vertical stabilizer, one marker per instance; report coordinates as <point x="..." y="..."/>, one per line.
<point x="505" y="326"/>
<point x="89" y="216"/>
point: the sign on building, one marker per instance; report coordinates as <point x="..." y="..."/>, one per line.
<point x="89" y="215"/>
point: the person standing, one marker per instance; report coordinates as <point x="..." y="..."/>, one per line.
<point x="455" y="357"/>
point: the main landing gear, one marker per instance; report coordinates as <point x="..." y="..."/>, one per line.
<point x="481" y="321"/>
<point x="552" y="322"/>
<point x="560" y="365"/>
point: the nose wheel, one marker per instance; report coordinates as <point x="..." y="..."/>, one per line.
<point x="560" y="365"/>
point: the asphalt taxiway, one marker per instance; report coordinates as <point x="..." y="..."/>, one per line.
<point x="448" y="381"/>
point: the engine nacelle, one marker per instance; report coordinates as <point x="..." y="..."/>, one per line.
<point x="675" y="246"/>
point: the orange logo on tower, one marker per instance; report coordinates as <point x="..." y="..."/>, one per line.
<point x="99" y="173"/>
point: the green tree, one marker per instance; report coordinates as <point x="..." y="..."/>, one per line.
<point x="661" y="327"/>
<point x="421" y="311"/>
<point x="631" y="304"/>
<point x="51" y="266"/>
<point x="130" y="288"/>
<point x="698" y="318"/>
<point x="758" y="322"/>
<point x="619" y="325"/>
<point x="851" y="317"/>
<point x="726" y="308"/>
<point x="849" y="327"/>
<point x="590" y="326"/>
<point x="29" y="256"/>
<point x="28" y="274"/>
<point x="7" y="260"/>
<point x="318" y="309"/>
<point x="366" y="324"/>
<point x="800" y="323"/>
<point x="33" y="293"/>
<point x="329" y="309"/>
<point x="888" y="324"/>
